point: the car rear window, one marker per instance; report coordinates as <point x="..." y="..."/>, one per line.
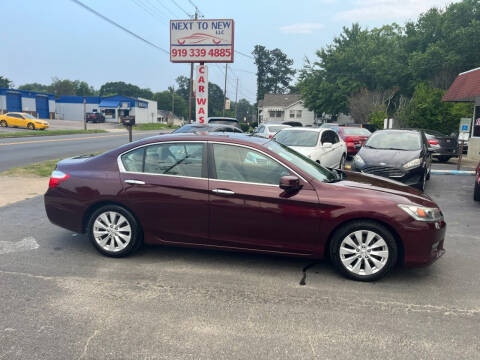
<point x="356" y="131"/>
<point x="275" y="129"/>
<point x="395" y="140"/>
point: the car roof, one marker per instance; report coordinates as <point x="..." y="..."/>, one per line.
<point x="237" y="138"/>
<point x="297" y="128"/>
<point x="221" y="118"/>
<point x="400" y="130"/>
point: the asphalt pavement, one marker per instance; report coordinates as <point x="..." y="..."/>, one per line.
<point x="62" y="300"/>
<point x="26" y="150"/>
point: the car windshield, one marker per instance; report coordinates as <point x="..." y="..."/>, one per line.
<point x="394" y="140"/>
<point x="191" y="128"/>
<point x="28" y="116"/>
<point x="303" y="138"/>
<point x="356" y="131"/>
<point x="223" y="122"/>
<point x="277" y="128"/>
<point x="307" y="165"/>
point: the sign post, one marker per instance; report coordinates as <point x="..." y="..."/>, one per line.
<point x="202" y="41"/>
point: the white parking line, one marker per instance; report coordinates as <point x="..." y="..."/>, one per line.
<point x="28" y="243"/>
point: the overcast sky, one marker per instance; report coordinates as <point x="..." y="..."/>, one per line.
<point x="43" y="39"/>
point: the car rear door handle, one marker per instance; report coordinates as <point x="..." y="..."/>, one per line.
<point x="136" y="182"/>
<point x="223" y="191"/>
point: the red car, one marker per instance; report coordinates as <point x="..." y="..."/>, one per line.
<point x="476" y="191"/>
<point x="354" y="137"/>
<point x="245" y="193"/>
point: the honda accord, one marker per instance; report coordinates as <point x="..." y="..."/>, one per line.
<point x="239" y="192"/>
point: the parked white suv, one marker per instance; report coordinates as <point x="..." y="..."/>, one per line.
<point x="269" y="130"/>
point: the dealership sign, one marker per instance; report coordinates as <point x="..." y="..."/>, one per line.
<point x="201" y="95"/>
<point x="201" y="40"/>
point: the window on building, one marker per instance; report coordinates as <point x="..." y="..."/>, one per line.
<point x="292" y="114"/>
<point x="299" y="113"/>
<point x="271" y="114"/>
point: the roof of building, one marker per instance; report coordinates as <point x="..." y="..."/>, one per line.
<point x="281" y="100"/>
<point x="465" y="87"/>
<point x="72" y="99"/>
<point x="26" y="93"/>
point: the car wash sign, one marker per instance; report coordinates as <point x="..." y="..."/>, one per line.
<point x="201" y="95"/>
<point x="201" y="41"/>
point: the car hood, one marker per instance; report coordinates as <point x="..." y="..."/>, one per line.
<point x="394" y="158"/>
<point x="386" y="186"/>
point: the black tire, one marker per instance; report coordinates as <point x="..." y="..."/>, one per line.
<point x="31" y="126"/>
<point x="421" y="185"/>
<point x="444" y="158"/>
<point x="341" y="166"/>
<point x="476" y="192"/>
<point x="429" y="172"/>
<point x="364" y="226"/>
<point x="3" y="123"/>
<point x="136" y="239"/>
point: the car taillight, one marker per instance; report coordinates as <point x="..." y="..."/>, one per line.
<point x="270" y="136"/>
<point x="57" y="178"/>
<point x="433" y="142"/>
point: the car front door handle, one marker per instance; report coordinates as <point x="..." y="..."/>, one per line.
<point x="223" y="192"/>
<point x="136" y="182"/>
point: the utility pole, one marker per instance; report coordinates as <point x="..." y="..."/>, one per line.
<point x="190" y="94"/>
<point x="225" y="90"/>
<point x="173" y="100"/>
<point x="84" y="113"/>
<point x="236" y="99"/>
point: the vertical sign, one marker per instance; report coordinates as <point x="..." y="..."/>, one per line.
<point x="201" y="95"/>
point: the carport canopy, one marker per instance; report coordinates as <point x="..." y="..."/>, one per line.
<point x="465" y="88"/>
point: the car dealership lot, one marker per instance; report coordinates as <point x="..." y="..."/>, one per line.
<point x="63" y="300"/>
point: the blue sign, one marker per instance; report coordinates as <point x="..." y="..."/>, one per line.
<point x="464" y="127"/>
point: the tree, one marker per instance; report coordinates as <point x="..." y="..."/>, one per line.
<point x="164" y="102"/>
<point x="245" y="110"/>
<point x="183" y="86"/>
<point x="34" y="87"/>
<point x="215" y="100"/>
<point x="274" y="71"/>
<point x="62" y="87"/>
<point x="125" y="89"/>
<point x="4" y="82"/>
<point x="426" y="110"/>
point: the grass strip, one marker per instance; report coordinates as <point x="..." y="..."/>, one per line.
<point x="48" y="133"/>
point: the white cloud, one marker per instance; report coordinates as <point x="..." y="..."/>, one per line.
<point x="389" y="9"/>
<point x="301" y="28"/>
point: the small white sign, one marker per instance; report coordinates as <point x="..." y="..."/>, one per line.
<point x="201" y="40"/>
<point x="201" y="95"/>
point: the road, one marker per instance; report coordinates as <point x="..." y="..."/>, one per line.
<point x="26" y="150"/>
<point x="63" y="300"/>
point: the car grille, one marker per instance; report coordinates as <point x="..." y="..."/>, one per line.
<point x="385" y="171"/>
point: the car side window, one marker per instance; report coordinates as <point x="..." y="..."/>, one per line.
<point x="133" y="160"/>
<point x="182" y="159"/>
<point x="335" y="138"/>
<point x="326" y="137"/>
<point x="236" y="130"/>
<point x="236" y="163"/>
<point x="261" y="129"/>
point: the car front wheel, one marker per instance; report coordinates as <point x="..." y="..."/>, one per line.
<point x="363" y="250"/>
<point x="114" y="231"/>
<point x="3" y="123"/>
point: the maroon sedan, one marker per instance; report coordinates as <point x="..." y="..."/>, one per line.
<point x="476" y="190"/>
<point x="354" y="137"/>
<point x="244" y="193"/>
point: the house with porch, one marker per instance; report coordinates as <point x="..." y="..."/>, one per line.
<point x="284" y="107"/>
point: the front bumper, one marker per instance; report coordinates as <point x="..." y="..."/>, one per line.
<point x="409" y="177"/>
<point x="423" y="242"/>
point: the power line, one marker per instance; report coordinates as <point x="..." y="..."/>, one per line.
<point x="145" y="9"/>
<point x="147" y="4"/>
<point x="246" y="55"/>
<point x="196" y="8"/>
<point x="183" y="10"/>
<point x="245" y="71"/>
<point x="165" y="7"/>
<point x="79" y="3"/>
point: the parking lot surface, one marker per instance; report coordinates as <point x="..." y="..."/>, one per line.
<point x="62" y="300"/>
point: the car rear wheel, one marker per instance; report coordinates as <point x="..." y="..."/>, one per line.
<point x="341" y="166"/>
<point x="363" y="250"/>
<point x="31" y="126"/>
<point x="114" y="231"/>
<point x="3" y="123"/>
<point x="476" y="192"/>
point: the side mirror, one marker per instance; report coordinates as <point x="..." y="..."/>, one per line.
<point x="290" y="183"/>
<point x="327" y="145"/>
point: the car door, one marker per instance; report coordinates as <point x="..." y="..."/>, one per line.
<point x="248" y="209"/>
<point x="328" y="155"/>
<point x="166" y="187"/>
<point x="338" y="149"/>
<point x="13" y="120"/>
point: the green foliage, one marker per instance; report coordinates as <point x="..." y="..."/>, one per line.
<point x="47" y="132"/>
<point x="274" y="71"/>
<point x="125" y="89"/>
<point x="154" y="126"/>
<point x="164" y="102"/>
<point x="377" y="117"/>
<point x="426" y="110"/>
<point x="4" y="82"/>
<point x="435" y="48"/>
<point x="34" y="87"/>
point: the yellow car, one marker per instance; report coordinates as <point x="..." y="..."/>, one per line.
<point x="24" y="120"/>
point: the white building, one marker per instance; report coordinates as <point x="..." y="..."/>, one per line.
<point x="71" y="107"/>
<point x="284" y="107"/>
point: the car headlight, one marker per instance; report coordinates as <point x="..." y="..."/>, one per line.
<point x="412" y="163"/>
<point x="358" y="160"/>
<point x="422" y="213"/>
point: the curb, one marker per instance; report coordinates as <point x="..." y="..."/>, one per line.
<point x="452" y="172"/>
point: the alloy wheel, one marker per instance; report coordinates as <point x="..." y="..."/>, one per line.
<point x="3" y="123"/>
<point x="364" y="252"/>
<point x="112" y="231"/>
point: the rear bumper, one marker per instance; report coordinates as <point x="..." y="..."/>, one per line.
<point x="61" y="213"/>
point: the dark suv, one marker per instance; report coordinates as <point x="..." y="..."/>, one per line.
<point x="95" y="117"/>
